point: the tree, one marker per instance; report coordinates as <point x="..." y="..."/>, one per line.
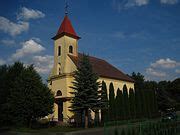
<point x="138" y="106"/>
<point x="164" y="100"/>
<point x="4" y="92"/>
<point x="104" y="102"/>
<point x="126" y="102"/>
<point x="85" y="88"/>
<point x="139" y="80"/>
<point x="119" y="104"/>
<point x="164" y="85"/>
<point x="132" y="103"/>
<point x="112" y="111"/>
<point x="28" y="98"/>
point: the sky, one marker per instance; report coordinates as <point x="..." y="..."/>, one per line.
<point x="133" y="35"/>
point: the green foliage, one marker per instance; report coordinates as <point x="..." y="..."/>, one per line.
<point x="85" y="88"/>
<point x="138" y="108"/>
<point x="123" y="132"/>
<point x="119" y="105"/>
<point x="112" y="110"/>
<point x="132" y="103"/>
<point x="147" y="128"/>
<point x="126" y="102"/>
<point x="116" y="131"/>
<point x="104" y="102"/>
<point x="27" y="98"/>
<point x="139" y="80"/>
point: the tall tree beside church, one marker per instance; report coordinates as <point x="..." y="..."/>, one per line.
<point x="139" y="80"/>
<point x="104" y="102"/>
<point x="85" y="88"/>
<point x="126" y="101"/>
<point x="138" y="101"/>
<point x="119" y="104"/>
<point x="28" y="98"/>
<point x="132" y="103"/>
<point x="112" y="111"/>
<point x="4" y="92"/>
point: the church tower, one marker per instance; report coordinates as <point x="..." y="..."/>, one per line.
<point x="65" y="43"/>
<point x="60" y="79"/>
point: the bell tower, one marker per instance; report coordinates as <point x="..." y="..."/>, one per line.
<point x="65" y="43"/>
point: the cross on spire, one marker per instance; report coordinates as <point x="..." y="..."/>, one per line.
<point x="66" y="7"/>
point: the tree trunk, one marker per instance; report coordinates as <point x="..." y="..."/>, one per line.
<point x="86" y="118"/>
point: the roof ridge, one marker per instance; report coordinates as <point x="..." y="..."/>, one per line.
<point x="93" y="57"/>
<point x="103" y="68"/>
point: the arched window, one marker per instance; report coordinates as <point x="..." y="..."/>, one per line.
<point x="59" y="50"/>
<point x="59" y="93"/>
<point x="70" y="49"/>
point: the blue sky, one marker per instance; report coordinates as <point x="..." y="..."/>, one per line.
<point x="133" y="35"/>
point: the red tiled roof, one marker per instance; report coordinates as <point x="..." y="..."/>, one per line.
<point x="66" y="28"/>
<point x="103" y="68"/>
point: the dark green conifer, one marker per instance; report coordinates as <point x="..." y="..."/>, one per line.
<point x="104" y="103"/>
<point x="132" y="103"/>
<point x="126" y="102"/>
<point x="112" y="111"/>
<point x="119" y="104"/>
<point x="85" y="88"/>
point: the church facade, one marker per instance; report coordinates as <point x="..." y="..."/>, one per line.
<point x="66" y="59"/>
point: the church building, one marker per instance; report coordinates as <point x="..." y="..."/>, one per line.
<point x="66" y="58"/>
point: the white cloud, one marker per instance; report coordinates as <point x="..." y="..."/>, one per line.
<point x="163" y="69"/>
<point x="153" y="72"/>
<point x="13" y="28"/>
<point x="177" y="71"/>
<point x="43" y="64"/>
<point x="27" y="14"/>
<point x="7" y="42"/>
<point x="171" y="2"/>
<point x="28" y="47"/>
<point x="2" y="62"/>
<point x="141" y="2"/>
<point x="126" y="4"/>
<point x="133" y="3"/>
<point x="165" y="63"/>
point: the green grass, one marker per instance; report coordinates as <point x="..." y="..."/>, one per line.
<point x="52" y="129"/>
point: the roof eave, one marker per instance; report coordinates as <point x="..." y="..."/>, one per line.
<point x="67" y="34"/>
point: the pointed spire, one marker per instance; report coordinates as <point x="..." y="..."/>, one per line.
<point x="66" y="28"/>
<point x="66" y="7"/>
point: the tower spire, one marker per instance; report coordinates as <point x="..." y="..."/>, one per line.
<point x="66" y="7"/>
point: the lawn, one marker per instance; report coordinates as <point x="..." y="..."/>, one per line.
<point x="44" y="130"/>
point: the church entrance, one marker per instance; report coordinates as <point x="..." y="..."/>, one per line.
<point x="59" y="102"/>
<point x="60" y="110"/>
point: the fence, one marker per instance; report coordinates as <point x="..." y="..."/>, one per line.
<point x="143" y="127"/>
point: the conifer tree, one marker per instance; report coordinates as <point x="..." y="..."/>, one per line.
<point x="104" y="103"/>
<point x="138" y="103"/>
<point x="85" y="88"/>
<point x="126" y="102"/>
<point x="112" y="111"/>
<point x="148" y="103"/>
<point x="119" y="104"/>
<point x="143" y="103"/>
<point x="155" y="102"/>
<point x="132" y="103"/>
<point x="28" y="98"/>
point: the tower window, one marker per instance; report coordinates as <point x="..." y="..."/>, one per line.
<point x="59" y="93"/>
<point x="70" y="49"/>
<point x="59" y="50"/>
